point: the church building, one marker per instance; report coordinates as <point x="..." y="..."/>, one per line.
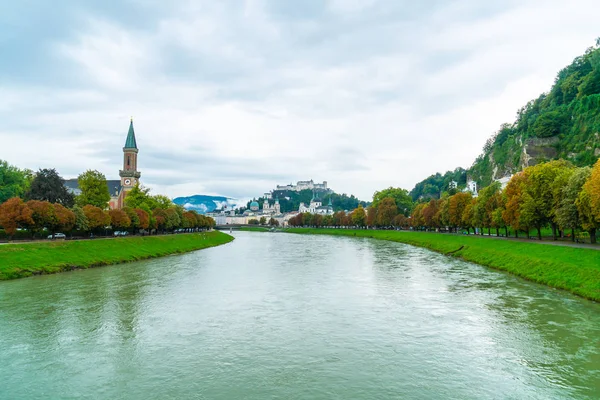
<point x="130" y="175"/>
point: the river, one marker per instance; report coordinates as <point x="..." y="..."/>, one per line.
<point x="282" y="316"/>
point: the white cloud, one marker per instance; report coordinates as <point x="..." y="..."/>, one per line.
<point x="233" y="100"/>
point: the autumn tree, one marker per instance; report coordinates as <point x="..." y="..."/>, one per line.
<point x="94" y="190"/>
<point x="371" y="213"/>
<point x="359" y="217"/>
<point x="430" y="214"/>
<point x="514" y="198"/>
<point x="273" y="222"/>
<point x="386" y="211"/>
<point x="15" y="214"/>
<point x="42" y="214"/>
<point x="469" y="219"/>
<point x="64" y="219"/>
<point x="143" y="217"/>
<point x="338" y="218"/>
<point x="97" y="217"/>
<point x="588" y="203"/>
<point x="119" y="220"/>
<point x="457" y="205"/>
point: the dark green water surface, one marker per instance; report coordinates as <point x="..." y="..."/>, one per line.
<point x="281" y="316"/>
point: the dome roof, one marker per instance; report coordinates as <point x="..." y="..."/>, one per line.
<point x="254" y="204"/>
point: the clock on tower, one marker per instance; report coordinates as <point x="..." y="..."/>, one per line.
<point x="129" y="174"/>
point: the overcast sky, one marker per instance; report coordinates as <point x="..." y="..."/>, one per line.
<point x="233" y="97"/>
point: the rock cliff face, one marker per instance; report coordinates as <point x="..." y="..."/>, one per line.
<point x="536" y="150"/>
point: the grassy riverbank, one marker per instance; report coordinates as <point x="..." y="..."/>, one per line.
<point x="21" y="260"/>
<point x="573" y="269"/>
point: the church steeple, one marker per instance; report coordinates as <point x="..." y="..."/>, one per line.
<point x="130" y="143"/>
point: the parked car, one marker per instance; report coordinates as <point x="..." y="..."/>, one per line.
<point x="121" y="233"/>
<point x="58" y="236"/>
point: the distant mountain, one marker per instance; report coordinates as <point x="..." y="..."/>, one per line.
<point x="204" y="204"/>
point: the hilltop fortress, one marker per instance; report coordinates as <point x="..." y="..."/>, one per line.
<point x="304" y="185"/>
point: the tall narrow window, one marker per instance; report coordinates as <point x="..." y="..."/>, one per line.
<point x="128" y="161"/>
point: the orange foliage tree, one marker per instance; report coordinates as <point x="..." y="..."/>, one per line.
<point x="14" y="214"/>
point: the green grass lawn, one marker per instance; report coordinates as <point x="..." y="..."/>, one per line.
<point x="573" y="269"/>
<point x="21" y="260"/>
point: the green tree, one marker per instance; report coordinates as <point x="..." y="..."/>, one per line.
<point x="538" y="203"/>
<point x="13" y="181"/>
<point x="162" y="201"/>
<point x="263" y="220"/>
<point x="94" y="190"/>
<point x="567" y="215"/>
<point x="404" y="203"/>
<point x="81" y="221"/>
<point x="47" y="185"/>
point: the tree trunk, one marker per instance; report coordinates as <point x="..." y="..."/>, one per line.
<point x="539" y="231"/>
<point x="516" y="233"/>
<point x="506" y="231"/>
<point x="497" y="232"/>
<point x="572" y="235"/>
<point x="553" y="231"/>
<point x="593" y="236"/>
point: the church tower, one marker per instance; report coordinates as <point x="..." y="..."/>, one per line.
<point x="129" y="174"/>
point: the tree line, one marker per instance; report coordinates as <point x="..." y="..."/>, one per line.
<point x="38" y="202"/>
<point x="555" y="195"/>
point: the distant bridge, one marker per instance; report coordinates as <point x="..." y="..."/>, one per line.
<point x="233" y="226"/>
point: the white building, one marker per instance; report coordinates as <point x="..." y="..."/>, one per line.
<point x="504" y="181"/>
<point x="452" y="185"/>
<point x="316" y="207"/>
<point x="471" y="187"/>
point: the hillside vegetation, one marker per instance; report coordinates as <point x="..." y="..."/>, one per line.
<point x="561" y="124"/>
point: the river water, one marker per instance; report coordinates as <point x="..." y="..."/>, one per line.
<point x="281" y="316"/>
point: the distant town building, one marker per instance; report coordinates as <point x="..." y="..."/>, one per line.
<point x="452" y="185"/>
<point x="316" y="207"/>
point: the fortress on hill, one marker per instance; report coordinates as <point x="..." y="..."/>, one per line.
<point x="303" y="185"/>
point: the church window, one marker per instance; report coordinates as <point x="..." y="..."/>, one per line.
<point x="128" y="161"/>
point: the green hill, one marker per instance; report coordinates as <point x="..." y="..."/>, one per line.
<point x="563" y="123"/>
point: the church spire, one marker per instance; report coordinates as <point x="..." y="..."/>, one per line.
<point x="130" y="143"/>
